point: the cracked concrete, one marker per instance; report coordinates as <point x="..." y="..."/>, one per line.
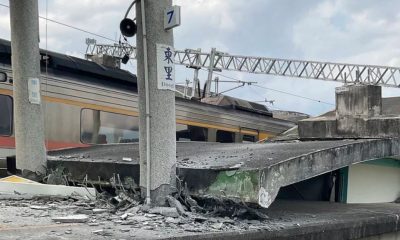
<point x="246" y="172"/>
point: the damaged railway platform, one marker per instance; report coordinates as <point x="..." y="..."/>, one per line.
<point x="78" y="218"/>
<point x="251" y="173"/>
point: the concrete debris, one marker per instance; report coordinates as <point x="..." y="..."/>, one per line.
<point x="35" y="207"/>
<point x="57" y="177"/>
<point x="80" y="218"/>
<point x="133" y="210"/>
<point x="173" y="202"/>
<point x="99" y="210"/>
<point x="93" y="224"/>
<point x="194" y="206"/>
<point x="104" y="219"/>
<point x="84" y="211"/>
<point x="218" y="226"/>
<point x="124" y="200"/>
<point x="102" y="232"/>
<point x="165" y="211"/>
<point x="197" y="217"/>
<point x="139" y="218"/>
<point x="172" y="220"/>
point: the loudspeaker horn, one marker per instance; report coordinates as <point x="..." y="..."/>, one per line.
<point x="128" y="27"/>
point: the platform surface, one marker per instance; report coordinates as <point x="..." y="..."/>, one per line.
<point x="204" y="154"/>
<point x="287" y="220"/>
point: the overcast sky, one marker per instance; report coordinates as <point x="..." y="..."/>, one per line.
<point x="351" y="31"/>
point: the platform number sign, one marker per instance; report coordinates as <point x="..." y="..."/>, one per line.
<point x="172" y="17"/>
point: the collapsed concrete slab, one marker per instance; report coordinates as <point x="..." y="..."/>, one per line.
<point x="251" y="173"/>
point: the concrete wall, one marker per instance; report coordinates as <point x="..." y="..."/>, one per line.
<point x="369" y="183"/>
<point x="388" y="236"/>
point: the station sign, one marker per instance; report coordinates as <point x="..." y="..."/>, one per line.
<point x="172" y="17"/>
<point x="165" y="67"/>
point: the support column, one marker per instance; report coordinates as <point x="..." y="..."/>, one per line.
<point x="28" y="116"/>
<point x="162" y="105"/>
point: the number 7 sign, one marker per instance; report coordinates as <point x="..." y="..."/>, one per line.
<point x="172" y="17"/>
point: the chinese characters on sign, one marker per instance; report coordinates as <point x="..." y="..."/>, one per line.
<point x="165" y="67"/>
<point x="34" y="90"/>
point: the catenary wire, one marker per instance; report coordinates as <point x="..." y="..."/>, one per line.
<point x="276" y="90"/>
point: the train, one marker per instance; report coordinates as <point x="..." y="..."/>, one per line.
<point x="85" y="103"/>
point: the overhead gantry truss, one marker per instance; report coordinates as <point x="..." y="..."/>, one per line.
<point x="338" y="72"/>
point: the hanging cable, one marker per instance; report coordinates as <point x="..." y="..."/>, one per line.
<point x="261" y="96"/>
<point x="294" y="95"/>
<point x="276" y="90"/>
<point x="70" y="26"/>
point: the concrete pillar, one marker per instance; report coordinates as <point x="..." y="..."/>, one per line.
<point x="358" y="101"/>
<point x="238" y="137"/>
<point x="212" y="135"/>
<point x="28" y="117"/>
<point x="162" y="106"/>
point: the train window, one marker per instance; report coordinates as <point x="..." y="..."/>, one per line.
<point x="249" y="138"/>
<point x="100" y="127"/>
<point x="190" y="133"/>
<point x="6" y="115"/>
<point x="225" y="136"/>
<point x="3" y="77"/>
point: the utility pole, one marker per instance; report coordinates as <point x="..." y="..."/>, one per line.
<point x="157" y="127"/>
<point x="28" y="114"/>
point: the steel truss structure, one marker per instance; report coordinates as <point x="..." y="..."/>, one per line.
<point x="338" y="72"/>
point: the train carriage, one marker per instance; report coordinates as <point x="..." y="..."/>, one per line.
<point x="86" y="103"/>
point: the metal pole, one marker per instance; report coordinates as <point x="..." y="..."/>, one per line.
<point x="210" y="73"/>
<point x="196" y="74"/>
<point x="28" y="113"/>
<point x="147" y="100"/>
<point x="157" y="126"/>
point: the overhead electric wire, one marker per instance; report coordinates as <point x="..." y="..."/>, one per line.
<point x="70" y="26"/>
<point x="294" y="95"/>
<point x="280" y="91"/>
<point x="261" y="96"/>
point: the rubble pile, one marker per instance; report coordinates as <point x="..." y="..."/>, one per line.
<point x="108" y="215"/>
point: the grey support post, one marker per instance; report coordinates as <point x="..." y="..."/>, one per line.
<point x="161" y="105"/>
<point x="28" y="114"/>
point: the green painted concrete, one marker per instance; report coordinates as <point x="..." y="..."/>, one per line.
<point x="237" y="184"/>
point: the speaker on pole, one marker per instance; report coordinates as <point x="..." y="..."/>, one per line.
<point x="128" y="27"/>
